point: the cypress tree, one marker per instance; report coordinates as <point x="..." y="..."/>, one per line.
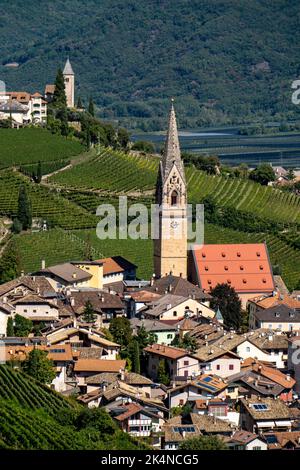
<point x="10" y="327"/>
<point x="89" y="315"/>
<point x="91" y="108"/>
<point x="39" y="173"/>
<point x="136" y="365"/>
<point x="79" y="103"/>
<point x="59" y="97"/>
<point x="24" y="209"/>
<point x="162" y="375"/>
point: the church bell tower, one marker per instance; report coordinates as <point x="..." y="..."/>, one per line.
<point x="69" y="78"/>
<point x="170" y="248"/>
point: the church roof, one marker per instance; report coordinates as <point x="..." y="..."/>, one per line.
<point x="68" y="68"/>
<point x="172" y="149"/>
<point x="246" y="267"/>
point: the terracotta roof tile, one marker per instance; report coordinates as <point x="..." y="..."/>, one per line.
<point x="99" y="365"/>
<point x="246" y="267"/>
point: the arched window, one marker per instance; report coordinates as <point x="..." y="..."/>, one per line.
<point x="174" y="198"/>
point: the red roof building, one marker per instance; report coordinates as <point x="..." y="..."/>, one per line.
<point x="245" y="267"/>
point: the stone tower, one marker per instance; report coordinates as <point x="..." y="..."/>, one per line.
<point x="170" y="248"/>
<point x="69" y="83"/>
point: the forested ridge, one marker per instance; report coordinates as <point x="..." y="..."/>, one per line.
<point x="224" y="61"/>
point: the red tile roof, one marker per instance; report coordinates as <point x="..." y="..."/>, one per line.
<point x="246" y="267"/>
<point x="116" y="264"/>
<point x="166" y="351"/>
<point x="129" y="410"/>
<point x="99" y="365"/>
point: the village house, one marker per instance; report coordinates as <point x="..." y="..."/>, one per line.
<point x="164" y="333"/>
<point x="244" y="440"/>
<point x="179" y="362"/>
<point x="37" y="309"/>
<point x="203" y="387"/>
<point x="74" y="275"/>
<point x="265" y="382"/>
<point x="279" y="317"/>
<point x="207" y="333"/>
<point x="117" y="269"/>
<point x="70" y="332"/>
<point x="106" y="306"/>
<point x="180" y="286"/>
<point x="179" y="428"/>
<point x="245" y="267"/>
<point x="264" y="302"/>
<point x="137" y="420"/>
<point x="264" y="414"/>
<point x="140" y="382"/>
<point x="174" y="307"/>
<point x="219" y="361"/>
<point x="261" y="344"/>
<point x="61" y="356"/>
<point x="86" y="367"/>
<point x="112" y="396"/>
<point x="221" y="408"/>
<point x="23" y="108"/>
<point x="17" y="289"/>
<point x="282" y="440"/>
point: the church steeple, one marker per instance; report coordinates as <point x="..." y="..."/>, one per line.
<point x="172" y="149"/>
<point x="170" y="248"/>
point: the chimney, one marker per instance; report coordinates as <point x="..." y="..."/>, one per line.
<point x="43" y="264"/>
<point x="75" y="322"/>
<point x="22" y="273"/>
<point x="183" y="434"/>
<point x="4" y="299"/>
<point x="72" y="301"/>
<point x="74" y="275"/>
<point x="151" y="281"/>
<point x="288" y="377"/>
<point x="170" y="288"/>
<point x="38" y="290"/>
<point x="180" y="275"/>
<point x="122" y="372"/>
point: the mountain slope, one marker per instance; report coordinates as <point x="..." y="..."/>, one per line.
<point x="224" y="61"/>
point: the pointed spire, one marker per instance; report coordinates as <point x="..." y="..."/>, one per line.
<point x="172" y="149"/>
<point x="68" y="68"/>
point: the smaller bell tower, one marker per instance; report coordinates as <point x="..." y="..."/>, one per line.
<point x="69" y="77"/>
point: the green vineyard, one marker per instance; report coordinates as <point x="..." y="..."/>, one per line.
<point x="118" y="173"/>
<point x="23" y="401"/>
<point x="22" y="146"/>
<point x="46" y="203"/>
<point x="111" y="171"/>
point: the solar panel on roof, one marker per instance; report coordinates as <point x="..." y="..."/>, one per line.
<point x="207" y="379"/>
<point x="181" y="429"/>
<point x="212" y="388"/>
<point x="260" y="407"/>
<point x="271" y="439"/>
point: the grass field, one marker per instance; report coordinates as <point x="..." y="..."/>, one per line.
<point x="57" y="246"/>
<point x="21" y="146"/>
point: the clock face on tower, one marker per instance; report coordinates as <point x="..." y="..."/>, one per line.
<point x="174" y="224"/>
